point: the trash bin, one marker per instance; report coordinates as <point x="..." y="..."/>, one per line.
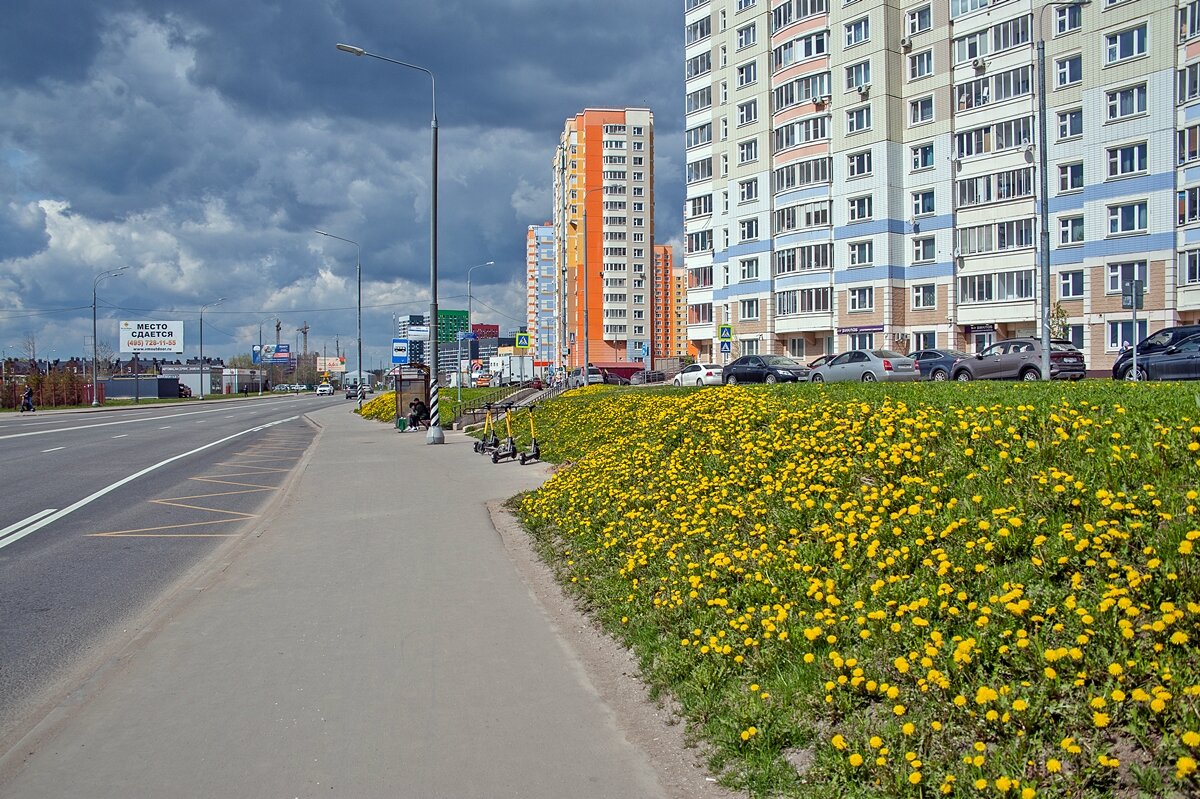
<point x="401" y="424"/>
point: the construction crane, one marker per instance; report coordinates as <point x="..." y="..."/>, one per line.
<point x="304" y="332"/>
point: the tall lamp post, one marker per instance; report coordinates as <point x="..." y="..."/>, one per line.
<point x="469" y="328"/>
<point x="203" y="372"/>
<point x="1043" y="166"/>
<point x="95" y="349"/>
<point x="262" y="363"/>
<point x="358" y="271"/>
<point x="435" y="435"/>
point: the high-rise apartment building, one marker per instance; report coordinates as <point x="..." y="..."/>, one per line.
<point x="866" y="173"/>
<point x="604" y="227"/>
<point x="541" y="294"/>
<point x="670" y="305"/>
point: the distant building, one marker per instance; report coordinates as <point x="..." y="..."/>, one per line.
<point x="541" y="294"/>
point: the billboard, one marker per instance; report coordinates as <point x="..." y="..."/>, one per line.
<point x="337" y="364"/>
<point x="276" y="353"/>
<point x="142" y="337"/>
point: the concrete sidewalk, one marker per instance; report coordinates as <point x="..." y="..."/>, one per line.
<point x="373" y="641"/>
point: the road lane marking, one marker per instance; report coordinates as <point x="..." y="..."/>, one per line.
<point x="53" y="449"/>
<point x="38" y="521"/>
<point x="12" y="528"/>
<point x="123" y="435"/>
<point x="108" y="424"/>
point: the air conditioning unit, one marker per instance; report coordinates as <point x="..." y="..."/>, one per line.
<point x="957" y="252"/>
<point x="823" y="99"/>
<point x="905" y="42"/>
<point x="979" y="63"/>
<point x="863" y="91"/>
<point x="1028" y="147"/>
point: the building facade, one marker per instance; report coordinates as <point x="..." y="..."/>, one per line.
<point x="866" y="173"/>
<point x="604" y="228"/>
<point x="542" y="294"/>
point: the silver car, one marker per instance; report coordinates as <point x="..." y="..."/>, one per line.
<point x="866" y="366"/>
<point x="698" y="374"/>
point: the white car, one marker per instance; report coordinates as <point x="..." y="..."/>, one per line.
<point x="699" y="374"/>
<point x="325" y="390"/>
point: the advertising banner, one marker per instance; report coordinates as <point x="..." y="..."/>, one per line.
<point x="156" y="337"/>
<point x="276" y="353"/>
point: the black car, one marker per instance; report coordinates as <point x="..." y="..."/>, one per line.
<point x="1150" y="345"/>
<point x="1179" y="361"/>
<point x="937" y="364"/>
<point x="764" y="369"/>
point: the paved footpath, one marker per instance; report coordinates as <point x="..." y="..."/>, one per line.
<point x="372" y="640"/>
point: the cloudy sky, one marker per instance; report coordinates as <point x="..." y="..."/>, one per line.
<point x="200" y="142"/>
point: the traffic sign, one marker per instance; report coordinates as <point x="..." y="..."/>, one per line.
<point x="1132" y="295"/>
<point x="726" y="347"/>
<point x="523" y="341"/>
<point x="725" y="333"/>
<point x="400" y="350"/>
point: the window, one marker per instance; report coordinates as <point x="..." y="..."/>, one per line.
<point x="747" y="36"/>
<point x="747" y="74"/>
<point x="858" y="75"/>
<point x="802" y="217"/>
<point x="1010" y="34"/>
<point x="748" y="229"/>
<point x="1122" y="333"/>
<point x="700" y="206"/>
<point x="742" y="5"/>
<point x="1067" y="19"/>
<point x="1070" y="177"/>
<point x="803" y="89"/>
<point x="859" y="208"/>
<point x="698" y="65"/>
<point x="747" y="151"/>
<point x="923" y="249"/>
<point x="800" y="48"/>
<point x="699" y="170"/>
<point x="702" y="134"/>
<point x="1121" y="273"/>
<point x="700" y="29"/>
<point x="960" y="7"/>
<point x="1187" y="143"/>
<point x="748" y="190"/>
<point x="1125" y="44"/>
<point x="748" y="346"/>
<point x="801" y="131"/>
<point x="748" y="269"/>
<point x="802" y="173"/>
<point x="858" y="119"/>
<point x="747" y="112"/>
<point x="804" y="258"/>
<point x="917" y="20"/>
<point x="1127" y="218"/>
<point x="1189" y="266"/>
<point x="862" y="299"/>
<point x="858" y="164"/>
<point x="1127" y="160"/>
<point x="924" y="296"/>
<point x="922" y="156"/>
<point x="1189" y="83"/>
<point x="858" y="31"/>
<point x="1014" y="285"/>
<point x="700" y="241"/>
<point x="1069" y="70"/>
<point x="1070" y="230"/>
<point x="1070" y="123"/>
<point x="698" y="100"/>
<point x="922" y="202"/>
<point x="920" y="65"/>
<point x="1070" y="286"/>
<point x="861" y="253"/>
<point x="748" y="309"/>
<point x="1189" y="205"/>
<point x="975" y="289"/>
<point x="920" y="110"/>
<point x="1127" y="102"/>
<point x="862" y="341"/>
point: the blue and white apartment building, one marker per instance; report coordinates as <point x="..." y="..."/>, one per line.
<point x="864" y="173"/>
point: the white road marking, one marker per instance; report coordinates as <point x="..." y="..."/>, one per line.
<point x="12" y="528"/>
<point x="53" y="449"/>
<point x="123" y="435"/>
<point x="36" y="522"/>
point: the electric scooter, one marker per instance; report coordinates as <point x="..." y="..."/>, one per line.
<point x="534" y="452"/>
<point x="490" y="441"/>
<point x="508" y="447"/>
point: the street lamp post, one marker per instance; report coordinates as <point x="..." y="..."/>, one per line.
<point x="435" y="435"/>
<point x="262" y="363"/>
<point x="203" y="373"/>
<point x="1044" y="187"/>
<point x="358" y="271"/>
<point x="95" y="349"/>
<point x="469" y="328"/>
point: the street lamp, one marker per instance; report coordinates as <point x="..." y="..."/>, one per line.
<point x="469" y="328"/>
<point x="358" y="271"/>
<point x="435" y="435"/>
<point x="95" y="349"/>
<point x="203" y="373"/>
<point x="262" y="364"/>
<point x="1043" y="166"/>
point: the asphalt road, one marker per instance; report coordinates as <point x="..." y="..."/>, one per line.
<point x="102" y="513"/>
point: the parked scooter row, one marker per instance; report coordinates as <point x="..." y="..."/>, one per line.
<point x="507" y="449"/>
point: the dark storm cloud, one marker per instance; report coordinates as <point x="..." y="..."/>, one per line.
<point x="202" y="142"/>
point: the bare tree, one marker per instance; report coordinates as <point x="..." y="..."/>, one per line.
<point x="29" y="345"/>
<point x="105" y="355"/>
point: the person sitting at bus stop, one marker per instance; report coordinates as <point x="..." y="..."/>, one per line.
<point x="418" y="414"/>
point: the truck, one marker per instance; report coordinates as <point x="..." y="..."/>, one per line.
<point x="510" y="369"/>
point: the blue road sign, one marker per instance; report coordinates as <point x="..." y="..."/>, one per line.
<point x="400" y="350"/>
<point x="726" y="347"/>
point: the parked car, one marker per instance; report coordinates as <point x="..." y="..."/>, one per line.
<point x="764" y="369"/>
<point x="647" y="376"/>
<point x="1151" y="344"/>
<point x="824" y="359"/>
<point x="185" y="392"/>
<point x="867" y="366"/>
<point x="1179" y="361"/>
<point x="575" y="379"/>
<point x="1021" y="359"/>
<point x="937" y="364"/>
<point x="698" y="374"/>
<point x="614" y="379"/>
<point x="325" y="390"/>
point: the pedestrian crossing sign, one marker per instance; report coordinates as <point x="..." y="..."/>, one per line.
<point x="523" y="341"/>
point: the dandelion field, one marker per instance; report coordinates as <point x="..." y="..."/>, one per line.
<point x="920" y="590"/>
